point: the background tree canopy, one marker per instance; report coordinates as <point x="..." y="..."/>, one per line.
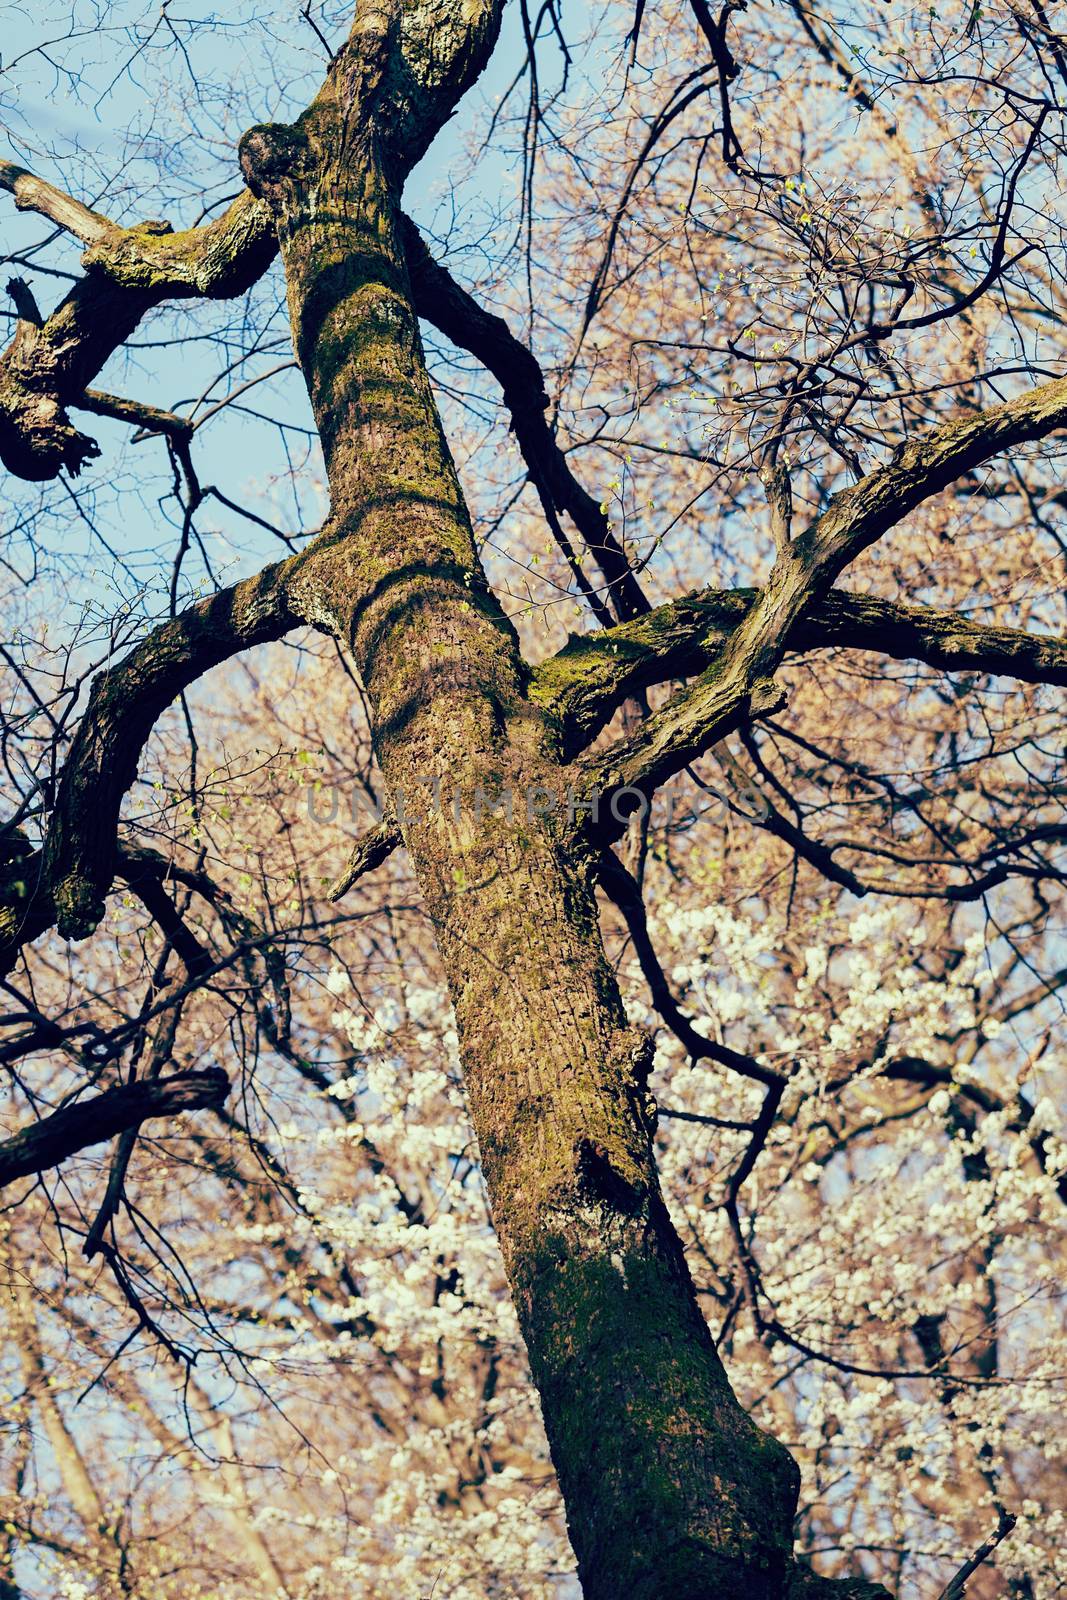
<point x="531" y="845"/>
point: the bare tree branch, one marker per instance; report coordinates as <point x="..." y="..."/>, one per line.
<point x="954" y="1589"/>
<point x="75" y="1127"/>
<point x="35" y="194"/>
<point x="128" y="272"/>
<point x="589" y="678"/>
<point x="68" y="879"/>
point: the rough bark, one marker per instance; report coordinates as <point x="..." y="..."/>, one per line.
<point x="50" y="362"/>
<point x="590" y="678"/>
<point x="671" y="1489"/>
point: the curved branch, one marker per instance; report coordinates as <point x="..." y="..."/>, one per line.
<point x="128" y="271"/>
<point x="213" y="262"/>
<point x="66" y="881"/>
<point x="124" y="704"/>
<point x="623" y="890"/>
<point x="716" y="704"/>
<point x="46" y="368"/>
<point x="737" y="683"/>
<point x="440" y="300"/>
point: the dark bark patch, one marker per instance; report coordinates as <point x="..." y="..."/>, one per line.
<point x="598" y="1180"/>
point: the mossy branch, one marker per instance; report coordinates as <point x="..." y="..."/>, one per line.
<point x="585" y="683"/>
<point x="738" y="684"/>
<point x="124" y="705"/>
<point x="49" y="364"/>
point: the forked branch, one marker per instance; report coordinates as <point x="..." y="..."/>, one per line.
<point x="738" y="684"/>
<point x="47" y="368"/>
<point x="591" y="676"/>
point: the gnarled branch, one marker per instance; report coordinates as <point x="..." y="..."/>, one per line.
<point x="369" y="851"/>
<point x="128" y="271"/>
<point x="738" y="684"/>
<point x="125" y="703"/>
<point x="591" y="676"/>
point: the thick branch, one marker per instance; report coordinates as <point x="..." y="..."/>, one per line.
<point x="128" y="272"/>
<point x="48" y="1142"/>
<point x="45" y="370"/>
<point x="35" y="194"/>
<point x="715" y="705"/>
<point x="587" y="681"/>
<point x="738" y="684"/>
<point x="220" y="259"/>
<point x="859" y="516"/>
<point x="125" y="703"/>
<point x="137" y="412"/>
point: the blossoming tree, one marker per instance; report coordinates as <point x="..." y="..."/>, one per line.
<point x="667" y="1063"/>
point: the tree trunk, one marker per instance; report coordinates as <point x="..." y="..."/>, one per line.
<point x="671" y="1490"/>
